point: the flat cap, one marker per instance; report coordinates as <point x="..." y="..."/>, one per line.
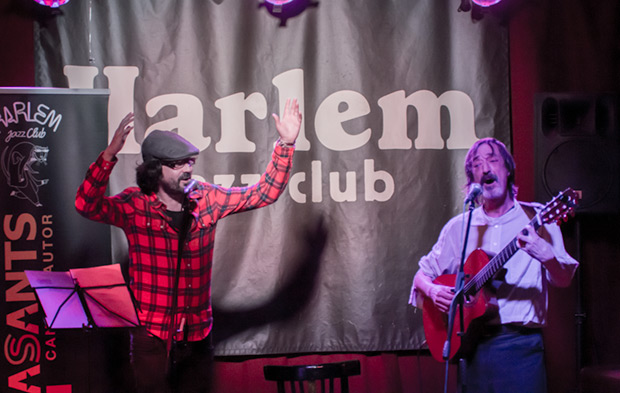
<point x="166" y="146"/>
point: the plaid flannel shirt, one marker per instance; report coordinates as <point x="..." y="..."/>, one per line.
<point x="153" y="243"/>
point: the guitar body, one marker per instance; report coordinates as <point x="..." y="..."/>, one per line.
<point x="477" y="310"/>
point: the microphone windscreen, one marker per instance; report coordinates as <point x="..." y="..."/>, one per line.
<point x="190" y="186"/>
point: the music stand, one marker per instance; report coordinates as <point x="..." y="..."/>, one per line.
<point x="88" y="297"/>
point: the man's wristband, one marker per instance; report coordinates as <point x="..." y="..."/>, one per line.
<point x="284" y="144"/>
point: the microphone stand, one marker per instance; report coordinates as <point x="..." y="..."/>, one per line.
<point x="457" y="302"/>
<point x="184" y="230"/>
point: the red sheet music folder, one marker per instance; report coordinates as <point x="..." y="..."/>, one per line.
<point x="89" y="297"/>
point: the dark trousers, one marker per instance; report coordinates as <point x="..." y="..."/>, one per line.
<point x="188" y="369"/>
<point x="507" y="361"/>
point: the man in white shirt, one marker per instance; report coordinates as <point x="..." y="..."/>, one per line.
<point x="509" y="356"/>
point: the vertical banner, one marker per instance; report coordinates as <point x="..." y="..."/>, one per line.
<point x="48" y="137"/>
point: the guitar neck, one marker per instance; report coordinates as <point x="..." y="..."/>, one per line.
<point x="496" y="263"/>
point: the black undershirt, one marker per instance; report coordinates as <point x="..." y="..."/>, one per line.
<point x="177" y="219"/>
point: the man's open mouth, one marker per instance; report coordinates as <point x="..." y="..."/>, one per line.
<point x="489" y="180"/>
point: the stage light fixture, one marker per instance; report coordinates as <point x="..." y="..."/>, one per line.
<point x="477" y="7"/>
<point x="486" y="3"/>
<point x="278" y="4"/>
<point x="52" y="3"/>
<point x="286" y="9"/>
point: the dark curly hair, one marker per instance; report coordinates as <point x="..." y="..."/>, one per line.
<point x="148" y="175"/>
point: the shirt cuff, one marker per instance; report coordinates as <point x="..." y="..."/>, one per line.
<point x="281" y="143"/>
<point x="104" y="164"/>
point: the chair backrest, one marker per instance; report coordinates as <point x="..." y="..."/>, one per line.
<point x="317" y="374"/>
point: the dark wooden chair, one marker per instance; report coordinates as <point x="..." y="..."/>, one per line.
<point x="298" y="377"/>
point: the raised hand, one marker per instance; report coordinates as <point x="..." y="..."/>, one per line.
<point x="288" y="127"/>
<point x="119" y="138"/>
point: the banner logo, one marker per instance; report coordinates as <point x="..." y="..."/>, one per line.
<point x="19" y="163"/>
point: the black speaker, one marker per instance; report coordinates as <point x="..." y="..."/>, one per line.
<point x="577" y="145"/>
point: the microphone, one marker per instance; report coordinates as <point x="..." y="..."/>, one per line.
<point x="474" y="190"/>
<point x="191" y="186"/>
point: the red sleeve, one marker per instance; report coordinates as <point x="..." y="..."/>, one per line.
<point x="91" y="201"/>
<point x="268" y="189"/>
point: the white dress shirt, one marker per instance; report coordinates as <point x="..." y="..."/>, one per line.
<point x="522" y="295"/>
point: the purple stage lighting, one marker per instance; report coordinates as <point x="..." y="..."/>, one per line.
<point x="52" y="3"/>
<point x="486" y="3"/>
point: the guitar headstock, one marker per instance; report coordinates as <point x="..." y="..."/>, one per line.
<point x="560" y="208"/>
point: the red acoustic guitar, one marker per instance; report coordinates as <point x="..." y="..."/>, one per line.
<point x="480" y="304"/>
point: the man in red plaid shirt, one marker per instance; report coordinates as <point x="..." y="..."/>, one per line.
<point x="170" y="221"/>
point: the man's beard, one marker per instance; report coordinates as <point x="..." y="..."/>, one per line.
<point x="173" y="187"/>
